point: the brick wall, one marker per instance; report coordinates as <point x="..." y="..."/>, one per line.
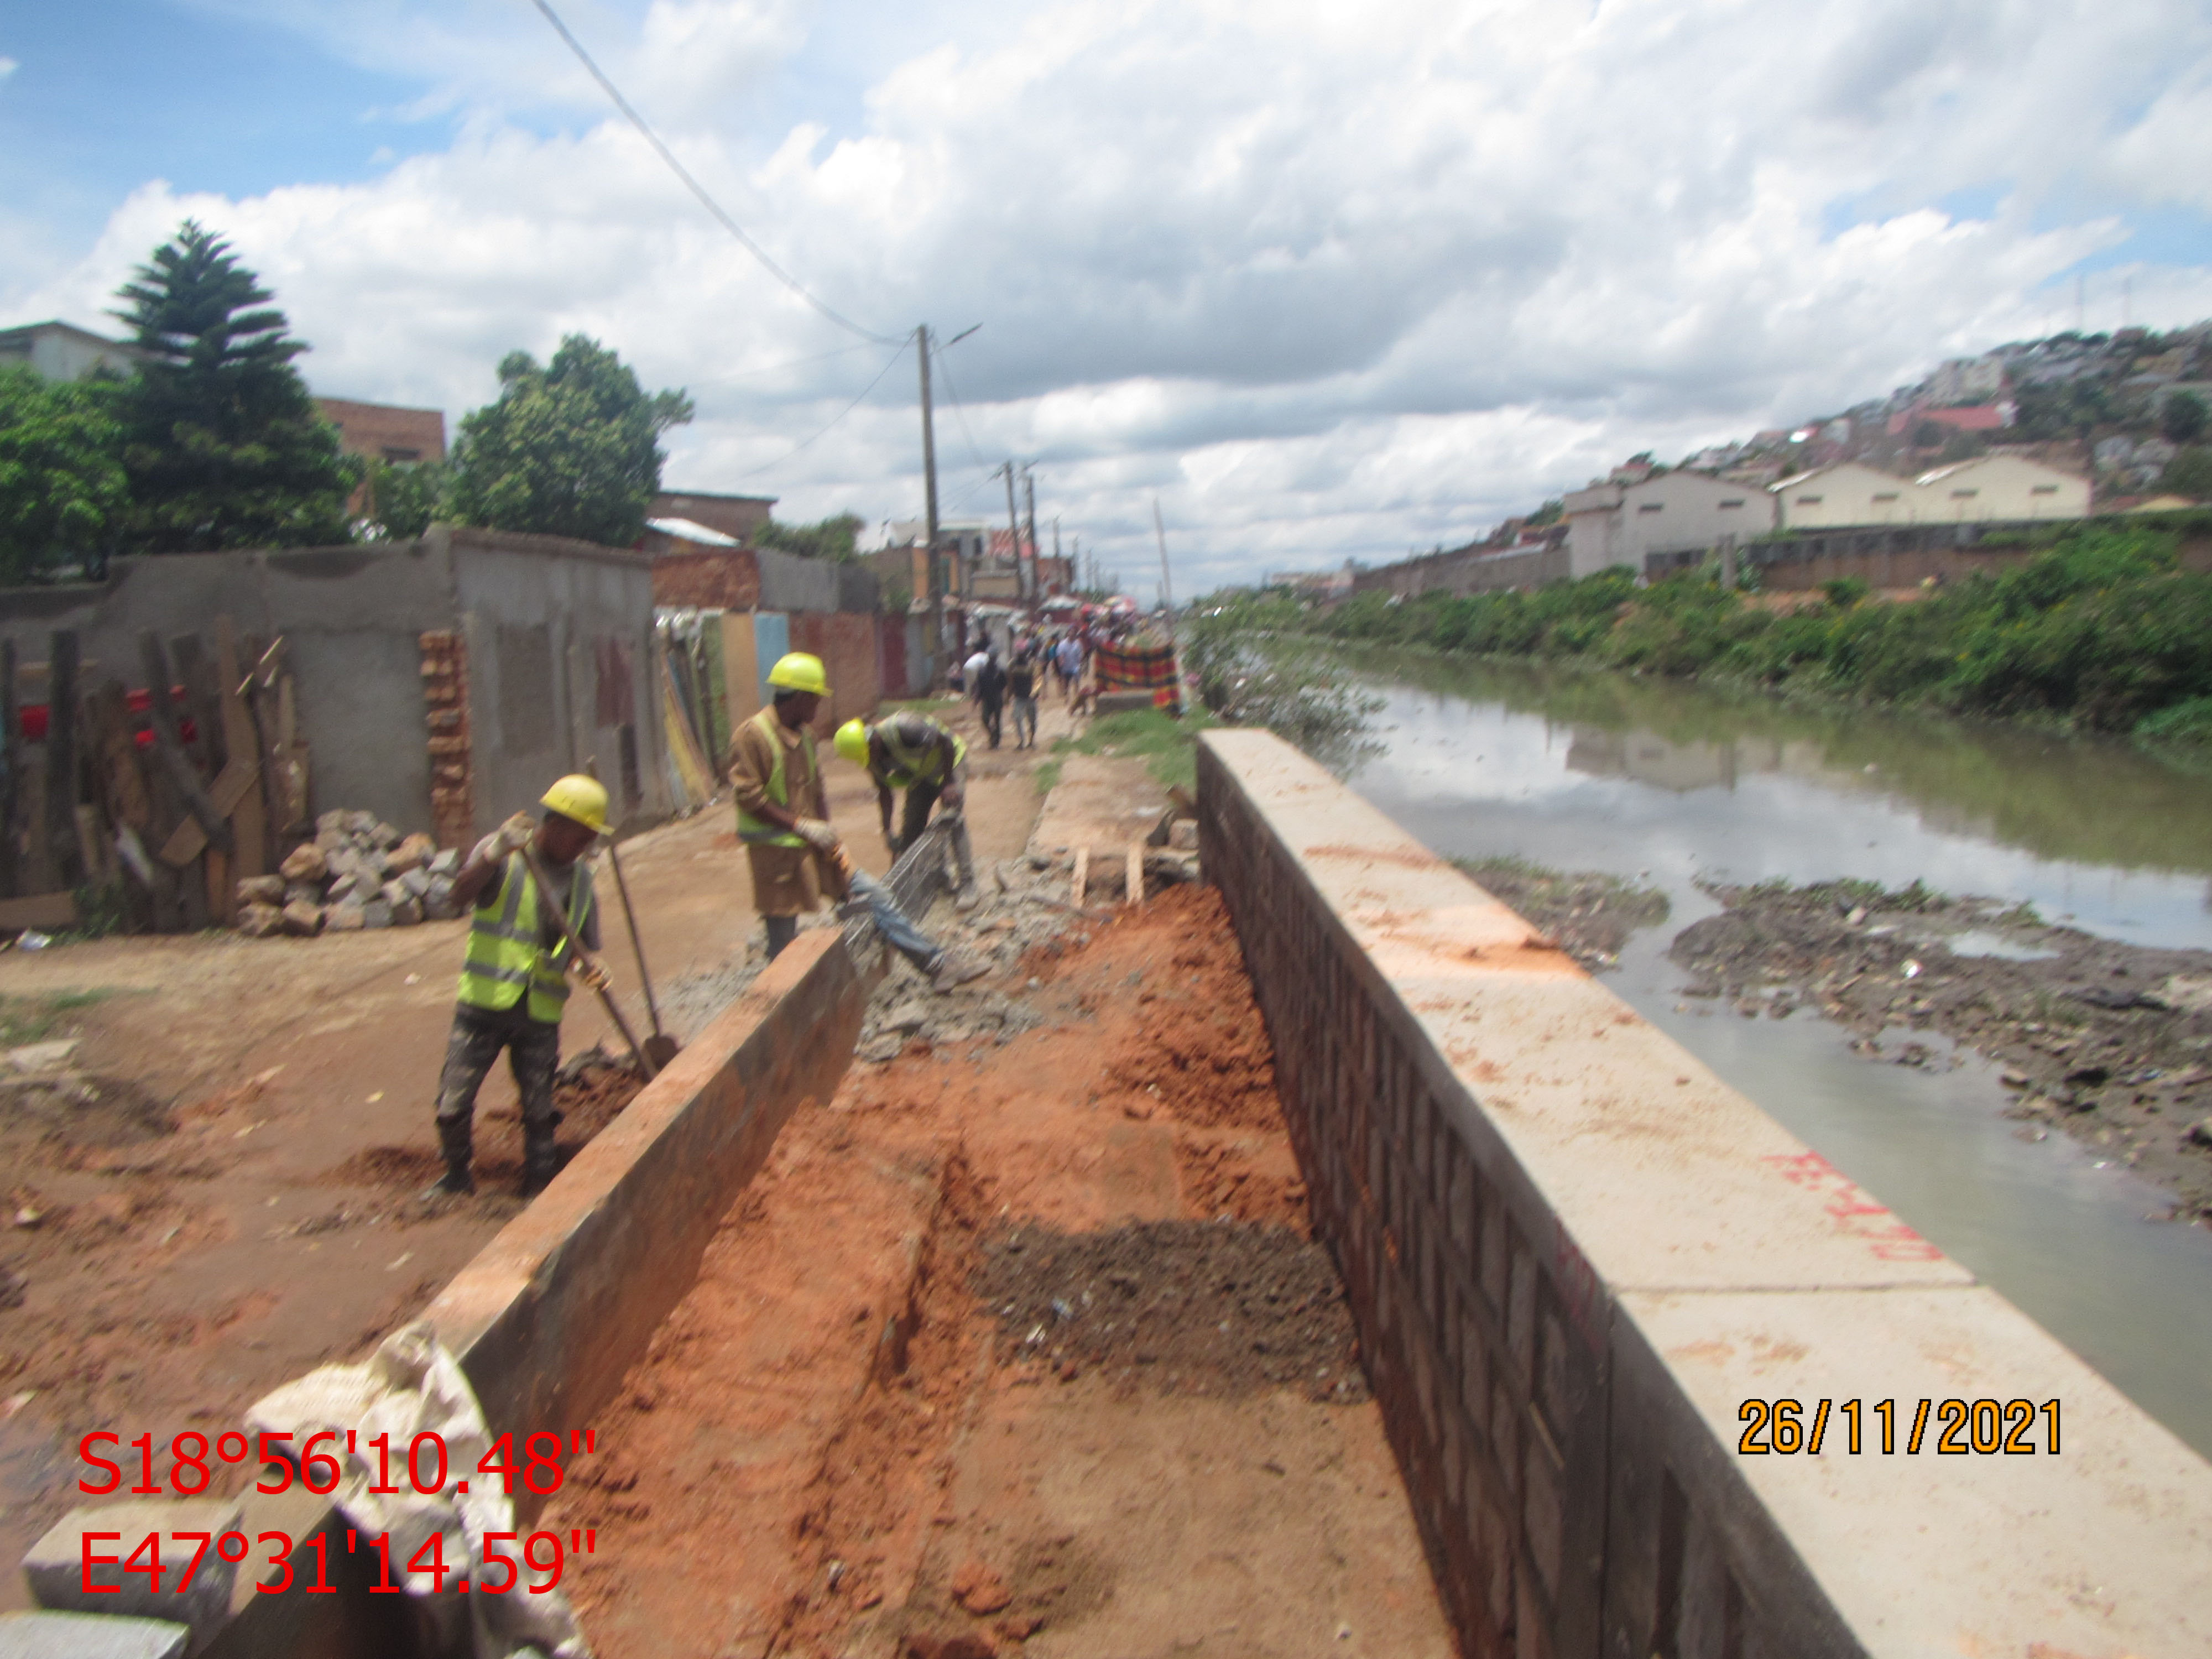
<point x="713" y="579"/>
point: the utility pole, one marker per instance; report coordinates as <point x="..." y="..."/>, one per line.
<point x="1028" y="500"/>
<point x="1013" y="527"/>
<point x="929" y="496"/>
<point x="1167" y="602"/>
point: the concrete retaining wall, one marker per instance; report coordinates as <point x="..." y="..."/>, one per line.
<point x="1573" y="1255"/>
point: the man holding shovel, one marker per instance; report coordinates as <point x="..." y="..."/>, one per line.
<point x="783" y="819"/>
<point x="514" y="978"/>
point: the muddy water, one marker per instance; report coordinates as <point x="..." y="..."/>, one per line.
<point x="1673" y="784"/>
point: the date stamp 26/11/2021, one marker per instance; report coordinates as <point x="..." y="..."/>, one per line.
<point x="1961" y="1428"/>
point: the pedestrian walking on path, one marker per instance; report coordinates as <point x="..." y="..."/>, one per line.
<point x="514" y="978"/>
<point x="991" y="696"/>
<point x="912" y="751"/>
<point x="1022" y="675"/>
<point x="783" y="819"/>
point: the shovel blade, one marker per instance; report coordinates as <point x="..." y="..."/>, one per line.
<point x="660" y="1049"/>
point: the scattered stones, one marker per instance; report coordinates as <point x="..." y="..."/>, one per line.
<point x="261" y="889"/>
<point x="301" y="919"/>
<point x="376" y="913"/>
<point x="411" y="853"/>
<point x="343" y="919"/>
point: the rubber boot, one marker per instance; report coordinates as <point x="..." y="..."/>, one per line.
<point x="454" y="1142"/>
<point x="540" y="1161"/>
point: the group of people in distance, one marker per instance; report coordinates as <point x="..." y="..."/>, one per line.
<point x="535" y="919"/>
<point x="1020" y="681"/>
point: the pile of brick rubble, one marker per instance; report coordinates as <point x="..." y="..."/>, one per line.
<point x="358" y="872"/>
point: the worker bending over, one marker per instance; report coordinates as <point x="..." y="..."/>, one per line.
<point x="514" y="978"/>
<point x="783" y="819"/>
<point x="913" y="752"/>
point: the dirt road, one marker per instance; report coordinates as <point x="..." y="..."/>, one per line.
<point x="1017" y="1345"/>
<point x="217" y="1191"/>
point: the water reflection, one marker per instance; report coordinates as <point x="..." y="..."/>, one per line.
<point x="1689" y="782"/>
<point x="1674" y="784"/>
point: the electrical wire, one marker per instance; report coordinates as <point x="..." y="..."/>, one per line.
<point x="767" y="465"/>
<point x="772" y="368"/>
<point x="958" y="410"/>
<point x="700" y="189"/>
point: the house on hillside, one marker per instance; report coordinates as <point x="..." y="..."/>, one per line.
<point x="1999" y="488"/>
<point x="62" y="351"/>
<point x="1613" y="523"/>
<point x="1847" y="493"/>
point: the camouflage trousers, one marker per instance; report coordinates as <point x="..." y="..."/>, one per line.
<point x="533" y="1054"/>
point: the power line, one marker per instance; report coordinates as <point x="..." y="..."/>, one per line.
<point x="842" y="414"/>
<point x="958" y="410"/>
<point x="700" y="189"/>
<point x="772" y="368"/>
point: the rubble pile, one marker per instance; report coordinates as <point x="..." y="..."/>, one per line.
<point x="359" y="872"/>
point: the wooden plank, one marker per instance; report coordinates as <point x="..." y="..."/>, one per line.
<point x="191" y="668"/>
<point x="1135" y="893"/>
<point x="248" y="817"/>
<point x="260" y="687"/>
<point x="228" y="794"/>
<point x="1082" y="876"/>
<point x="169" y="747"/>
<point x="39" y="911"/>
<point x="11" y="776"/>
<point x="61" y="760"/>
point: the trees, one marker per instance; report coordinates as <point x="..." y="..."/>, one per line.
<point x="2190" y="473"/>
<point x="403" y="497"/>
<point x="2184" y="418"/>
<point x="222" y="444"/>
<point x="831" y="538"/>
<point x="62" y="490"/>
<point x="570" y="449"/>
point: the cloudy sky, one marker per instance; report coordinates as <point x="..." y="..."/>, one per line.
<point x="1329" y="279"/>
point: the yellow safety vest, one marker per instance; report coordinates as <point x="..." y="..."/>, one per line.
<point x="505" y="956"/>
<point x="921" y="762"/>
<point x="759" y="832"/>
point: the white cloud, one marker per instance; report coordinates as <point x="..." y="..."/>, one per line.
<point x="8" y="67"/>
<point x="1329" y="277"/>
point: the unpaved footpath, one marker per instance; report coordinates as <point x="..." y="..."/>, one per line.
<point x="220" y="1191"/>
<point x="1017" y="1345"/>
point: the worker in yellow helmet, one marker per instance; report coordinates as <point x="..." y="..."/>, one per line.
<point x="911" y="750"/>
<point x="783" y="819"/>
<point x="514" y="978"/>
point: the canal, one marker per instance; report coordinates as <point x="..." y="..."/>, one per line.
<point x="1672" y="785"/>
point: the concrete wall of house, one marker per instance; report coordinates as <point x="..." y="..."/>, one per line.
<point x="560" y="637"/>
<point x="2000" y="487"/>
<point x="1846" y="495"/>
<point x="351" y="618"/>
<point x="1572" y="1255"/>
<point x="1609" y="524"/>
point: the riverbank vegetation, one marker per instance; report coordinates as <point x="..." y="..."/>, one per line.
<point x="2105" y="631"/>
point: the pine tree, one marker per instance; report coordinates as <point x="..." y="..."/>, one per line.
<point x="225" y="448"/>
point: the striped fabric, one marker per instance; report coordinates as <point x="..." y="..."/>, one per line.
<point x="1135" y="668"/>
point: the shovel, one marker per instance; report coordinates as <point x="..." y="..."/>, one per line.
<point x="645" y="1062"/>
<point x="659" y="1048"/>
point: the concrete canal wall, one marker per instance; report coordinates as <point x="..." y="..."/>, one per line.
<point x="1574" y="1255"/>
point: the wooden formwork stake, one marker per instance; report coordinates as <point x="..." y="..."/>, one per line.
<point x="1135" y="895"/>
<point x="1082" y="875"/>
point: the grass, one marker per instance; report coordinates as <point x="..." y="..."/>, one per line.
<point x="32" y="1019"/>
<point x="1047" y="776"/>
<point x="1170" y="745"/>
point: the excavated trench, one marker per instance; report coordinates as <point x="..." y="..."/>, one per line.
<point x="1019" y="1344"/>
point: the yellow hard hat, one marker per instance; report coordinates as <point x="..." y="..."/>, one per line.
<point x="853" y="740"/>
<point x="580" y="798"/>
<point x="798" y="671"/>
